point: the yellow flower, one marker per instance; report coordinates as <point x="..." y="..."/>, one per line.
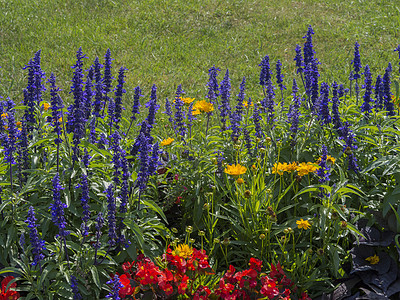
<point x="183" y="251"/>
<point x="187" y="100"/>
<point x="235" y="169"/>
<point x="4" y="115"/>
<point x="306" y="168"/>
<point x="239" y="181"/>
<point x="373" y="259"/>
<point x="203" y="106"/>
<point x="291" y="167"/>
<point x="279" y="168"/>
<point x="46" y="106"/>
<point x="246" y="104"/>
<point x="166" y="142"/>
<point x="19" y="124"/>
<point x="196" y="112"/>
<point x="329" y="159"/>
<point x="303" y="224"/>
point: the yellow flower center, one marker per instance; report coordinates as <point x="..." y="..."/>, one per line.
<point x="373" y="260"/>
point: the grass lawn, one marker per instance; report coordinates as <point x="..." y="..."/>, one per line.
<point x="172" y="42"/>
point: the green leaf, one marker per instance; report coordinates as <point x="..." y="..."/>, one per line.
<point x="39" y="142"/>
<point x="44" y="274"/>
<point x="7" y="270"/>
<point x="95" y="276"/>
<point x="153" y="206"/>
<point x="136" y="230"/>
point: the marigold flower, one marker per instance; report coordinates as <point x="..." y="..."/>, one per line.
<point x="235" y="170"/>
<point x="303" y="224"/>
<point x="203" y="106"/>
<point x="166" y="142"/>
<point x="4" y="115"/>
<point x="373" y="260"/>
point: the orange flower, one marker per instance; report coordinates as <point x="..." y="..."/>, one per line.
<point x="46" y="106"/>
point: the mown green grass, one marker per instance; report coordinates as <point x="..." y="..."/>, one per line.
<point x="171" y="42"/>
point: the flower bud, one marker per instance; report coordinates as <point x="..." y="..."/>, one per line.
<point x="262" y="236"/>
<point x="202" y="233"/>
<point x="320" y="251"/>
<point x="343" y="225"/>
<point x="239" y="181"/>
<point x="174" y="230"/>
<point x="189" y="229"/>
<point x="191" y="241"/>
<point x="226" y="242"/>
<point x="216" y="241"/>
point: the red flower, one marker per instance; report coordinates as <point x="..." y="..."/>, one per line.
<point x="127" y="289"/>
<point x="304" y="296"/>
<point x="178" y="199"/>
<point x="255" y="264"/>
<point x="268" y="288"/>
<point x="8" y="294"/>
<point x="127" y="267"/>
<point x="202" y="293"/>
<point x="183" y="286"/>
<point x="229" y="275"/>
<point x="276" y="272"/>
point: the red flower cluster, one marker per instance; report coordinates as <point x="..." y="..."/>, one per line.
<point x="179" y="268"/>
<point x="10" y="293"/>
<point x="249" y="284"/>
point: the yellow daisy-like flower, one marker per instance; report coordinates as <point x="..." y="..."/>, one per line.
<point x="235" y="170"/>
<point x="4" y="115"/>
<point x="203" y="106"/>
<point x="246" y="103"/>
<point x="306" y="168"/>
<point x="46" y="106"/>
<point x="303" y="224"/>
<point x="19" y="124"/>
<point x="279" y="168"/>
<point x="373" y="260"/>
<point x="166" y="142"/>
<point x="329" y="159"/>
<point x="187" y="100"/>
<point x="196" y="112"/>
<point x="291" y="167"/>
<point x="183" y="251"/>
